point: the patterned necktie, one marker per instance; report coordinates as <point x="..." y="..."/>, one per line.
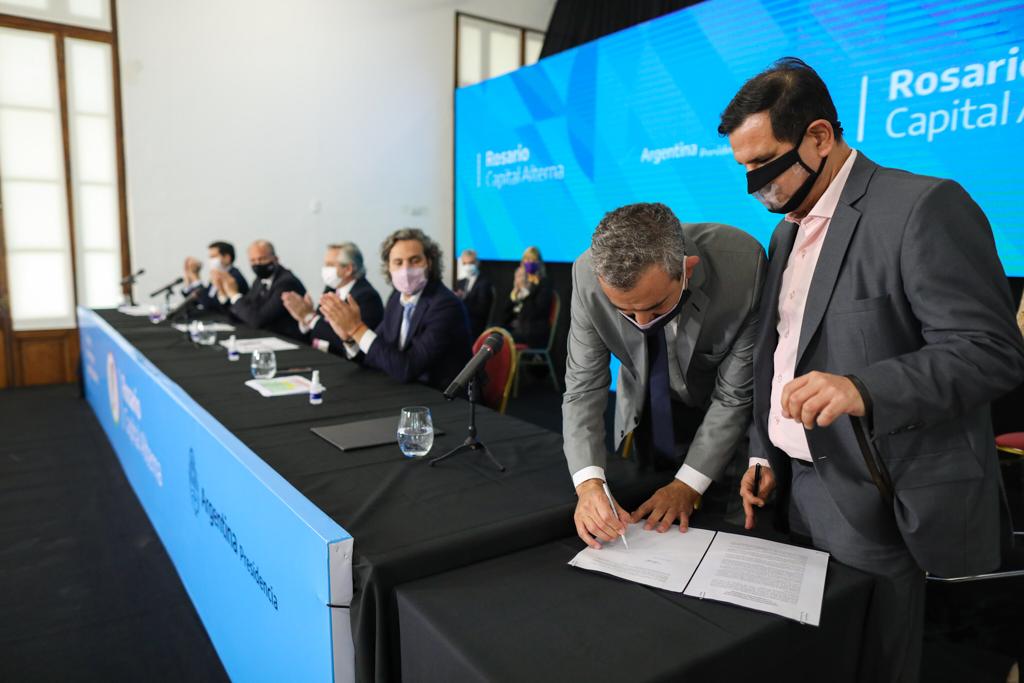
<point x="406" y="322"/>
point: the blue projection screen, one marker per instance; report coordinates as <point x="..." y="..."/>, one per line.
<point x="934" y="88"/>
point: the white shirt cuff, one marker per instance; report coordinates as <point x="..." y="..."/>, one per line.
<point x="591" y="472"/>
<point x="308" y="324"/>
<point x="366" y="341"/>
<point x="235" y="297"/>
<point x="763" y="462"/>
<point x="694" y="479"/>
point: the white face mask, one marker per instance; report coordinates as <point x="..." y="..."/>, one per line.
<point x="468" y="270"/>
<point x="329" y="274"/>
<point x="215" y="264"/>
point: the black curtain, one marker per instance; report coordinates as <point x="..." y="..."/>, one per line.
<point x="575" y="22"/>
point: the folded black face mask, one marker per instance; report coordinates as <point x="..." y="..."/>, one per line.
<point x="760" y="181"/>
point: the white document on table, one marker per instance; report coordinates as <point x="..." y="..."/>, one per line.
<point x="762" y="575"/>
<point x="288" y="385"/>
<point x="212" y="327"/>
<point x="261" y="343"/>
<point x="664" y="561"/>
<point x="136" y="311"/>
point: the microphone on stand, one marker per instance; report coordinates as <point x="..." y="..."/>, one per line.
<point x="168" y="287"/>
<point x="490" y="347"/>
<point x="130" y="279"/>
<point x="471" y="377"/>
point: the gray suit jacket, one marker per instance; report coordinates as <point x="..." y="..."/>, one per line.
<point x="714" y="348"/>
<point x="908" y="296"/>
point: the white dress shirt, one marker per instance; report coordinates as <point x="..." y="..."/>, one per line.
<point x="311" y="320"/>
<point x="690" y="476"/>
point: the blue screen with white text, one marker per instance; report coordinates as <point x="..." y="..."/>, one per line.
<point x="934" y="88"/>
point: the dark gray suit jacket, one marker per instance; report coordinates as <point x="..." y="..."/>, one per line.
<point x="714" y="346"/>
<point x="909" y="296"/>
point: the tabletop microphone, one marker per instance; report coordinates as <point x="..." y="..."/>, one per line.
<point x="130" y="279"/>
<point x="490" y="347"/>
<point x="167" y="287"/>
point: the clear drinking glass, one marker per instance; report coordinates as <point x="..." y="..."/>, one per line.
<point x="415" y="431"/>
<point x="264" y="364"/>
<point x="156" y="313"/>
<point x="202" y="333"/>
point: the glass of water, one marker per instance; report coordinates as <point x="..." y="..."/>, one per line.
<point x="156" y="313"/>
<point x="264" y="364"/>
<point x="202" y="333"/>
<point x="415" y="431"/>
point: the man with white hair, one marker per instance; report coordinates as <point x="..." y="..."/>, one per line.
<point x="344" y="276"/>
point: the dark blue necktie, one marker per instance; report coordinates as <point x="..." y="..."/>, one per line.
<point x="661" y="440"/>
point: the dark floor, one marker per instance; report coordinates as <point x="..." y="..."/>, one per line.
<point x="89" y="593"/>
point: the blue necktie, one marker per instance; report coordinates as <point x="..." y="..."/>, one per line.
<point x="406" y="323"/>
<point x="661" y="441"/>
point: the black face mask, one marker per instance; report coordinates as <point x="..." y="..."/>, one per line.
<point x="761" y="177"/>
<point x="264" y="270"/>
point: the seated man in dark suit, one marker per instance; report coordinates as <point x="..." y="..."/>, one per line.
<point x="343" y="275"/>
<point x="476" y="292"/>
<point x="261" y="307"/>
<point x="221" y="257"/>
<point x="425" y="332"/>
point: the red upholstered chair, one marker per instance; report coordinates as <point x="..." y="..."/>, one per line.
<point x="542" y="356"/>
<point x="501" y="369"/>
<point x="1011" y="444"/>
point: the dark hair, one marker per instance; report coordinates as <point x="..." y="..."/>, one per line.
<point x="224" y="249"/>
<point x="430" y="249"/>
<point x="792" y="93"/>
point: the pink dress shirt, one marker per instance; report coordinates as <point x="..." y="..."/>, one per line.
<point x="788" y="434"/>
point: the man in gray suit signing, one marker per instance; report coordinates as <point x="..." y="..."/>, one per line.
<point x="677" y="305"/>
<point x="887" y="329"/>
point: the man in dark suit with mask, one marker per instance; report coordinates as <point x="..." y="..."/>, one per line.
<point x="425" y="332"/>
<point x="261" y="307"/>
<point x="886" y="331"/>
<point x="476" y="292"/>
<point x="221" y="257"/>
<point x="343" y="275"/>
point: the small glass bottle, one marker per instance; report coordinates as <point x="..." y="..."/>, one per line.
<point x="315" y="390"/>
<point x="232" y="349"/>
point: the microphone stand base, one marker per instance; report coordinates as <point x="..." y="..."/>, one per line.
<point x="470" y="444"/>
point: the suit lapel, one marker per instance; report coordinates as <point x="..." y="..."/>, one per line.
<point x="833" y="251"/>
<point x="690" y="320"/>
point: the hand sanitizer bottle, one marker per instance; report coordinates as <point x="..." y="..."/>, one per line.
<point x="315" y="390"/>
<point x="232" y="351"/>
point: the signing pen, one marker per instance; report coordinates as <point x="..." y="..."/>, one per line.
<point x="615" y="512"/>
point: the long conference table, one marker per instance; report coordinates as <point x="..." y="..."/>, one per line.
<point x="309" y="563"/>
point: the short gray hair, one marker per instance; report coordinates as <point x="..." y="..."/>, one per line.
<point x="431" y="250"/>
<point x="349" y="254"/>
<point x="631" y="239"/>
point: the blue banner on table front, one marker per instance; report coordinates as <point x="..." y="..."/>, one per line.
<point x="256" y="557"/>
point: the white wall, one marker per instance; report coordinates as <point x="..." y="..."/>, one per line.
<point x="241" y="115"/>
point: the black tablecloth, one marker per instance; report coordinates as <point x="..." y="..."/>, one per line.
<point x="408" y="520"/>
<point x="529" y="616"/>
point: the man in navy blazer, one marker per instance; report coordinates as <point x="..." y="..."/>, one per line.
<point x="221" y="258"/>
<point x="344" y="276"/>
<point x="425" y="332"/>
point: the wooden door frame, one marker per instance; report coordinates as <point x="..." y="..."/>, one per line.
<point x="11" y="372"/>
